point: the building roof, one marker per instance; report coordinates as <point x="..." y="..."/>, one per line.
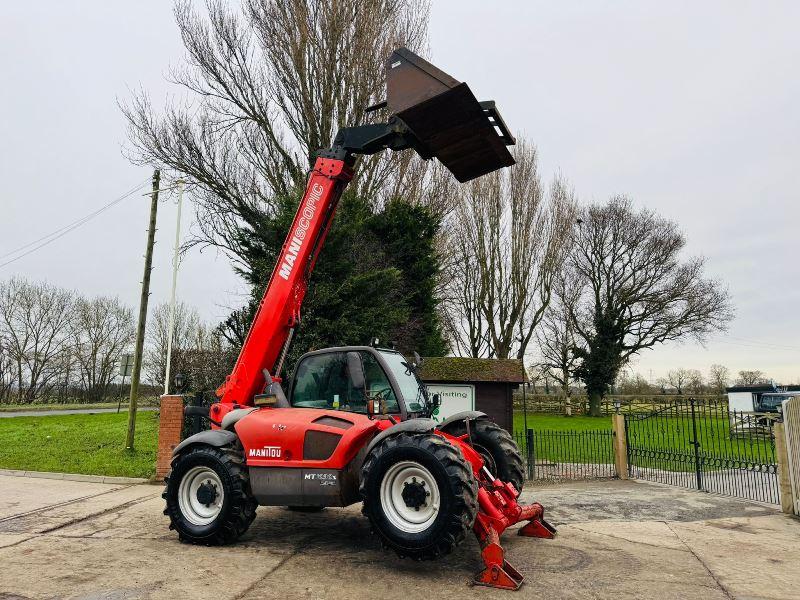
<point x="505" y="370"/>
<point x="763" y="387"/>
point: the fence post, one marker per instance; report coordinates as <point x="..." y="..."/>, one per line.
<point x="696" y="444"/>
<point x="620" y="445"/>
<point x="782" y="458"/>
<point x="530" y="455"/>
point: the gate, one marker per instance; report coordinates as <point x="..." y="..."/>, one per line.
<point x="791" y="428"/>
<point x="702" y="444"/>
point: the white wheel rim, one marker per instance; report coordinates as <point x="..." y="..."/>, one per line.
<point x="196" y="512"/>
<point x="404" y="517"/>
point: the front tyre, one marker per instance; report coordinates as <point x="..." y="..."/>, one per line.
<point x="208" y="495"/>
<point x="419" y="494"/>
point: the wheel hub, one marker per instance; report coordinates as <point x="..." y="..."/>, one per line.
<point x="410" y="496"/>
<point x="414" y="493"/>
<point x="201" y="495"/>
<point x="207" y="493"/>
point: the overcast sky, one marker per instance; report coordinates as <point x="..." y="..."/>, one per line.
<point x="690" y="108"/>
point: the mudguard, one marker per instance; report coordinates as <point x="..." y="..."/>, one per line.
<point x="212" y="437"/>
<point x="410" y="426"/>
<point x="467" y="415"/>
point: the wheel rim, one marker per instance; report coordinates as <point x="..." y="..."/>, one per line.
<point x="200" y="495"/>
<point x="402" y="497"/>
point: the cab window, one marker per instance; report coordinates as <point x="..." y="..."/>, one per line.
<point x="322" y="381"/>
<point x="378" y="385"/>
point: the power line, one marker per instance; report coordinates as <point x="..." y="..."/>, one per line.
<point x="64" y="230"/>
<point x="757" y="344"/>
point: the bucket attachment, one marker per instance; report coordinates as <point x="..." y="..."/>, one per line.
<point x="445" y="119"/>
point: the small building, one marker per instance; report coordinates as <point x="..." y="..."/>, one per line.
<point x="483" y="384"/>
<point x="759" y="398"/>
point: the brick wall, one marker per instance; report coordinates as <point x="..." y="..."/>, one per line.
<point x="169" y="432"/>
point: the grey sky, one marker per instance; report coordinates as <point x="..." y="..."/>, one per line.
<point x="689" y="108"/>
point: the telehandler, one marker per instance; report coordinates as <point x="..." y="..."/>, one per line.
<point x="355" y="424"/>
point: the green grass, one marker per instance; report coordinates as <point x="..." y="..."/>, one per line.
<point x="538" y="421"/>
<point x="87" y="444"/>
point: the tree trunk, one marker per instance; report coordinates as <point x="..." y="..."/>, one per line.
<point x="595" y="399"/>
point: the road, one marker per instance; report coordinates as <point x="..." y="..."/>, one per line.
<point x="66" y="411"/>
<point x="617" y="539"/>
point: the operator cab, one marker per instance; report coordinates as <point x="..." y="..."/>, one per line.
<point x="346" y="378"/>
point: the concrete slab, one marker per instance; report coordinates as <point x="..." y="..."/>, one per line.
<point x="23" y="494"/>
<point x="616" y="540"/>
<point x="754" y="557"/>
<point x="58" y="517"/>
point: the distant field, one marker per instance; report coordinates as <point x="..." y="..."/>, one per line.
<point x="87" y="444"/>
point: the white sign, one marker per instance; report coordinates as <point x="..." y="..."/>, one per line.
<point x="454" y="398"/>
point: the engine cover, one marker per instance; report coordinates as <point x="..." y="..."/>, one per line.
<point x="305" y="456"/>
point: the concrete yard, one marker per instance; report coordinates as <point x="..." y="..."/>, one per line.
<point x="617" y="539"/>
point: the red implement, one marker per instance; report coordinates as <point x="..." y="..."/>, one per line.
<point x="499" y="510"/>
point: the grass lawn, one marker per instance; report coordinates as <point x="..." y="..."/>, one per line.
<point x="88" y="444"/>
<point x="537" y="421"/>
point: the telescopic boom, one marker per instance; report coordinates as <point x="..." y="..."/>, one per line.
<point x="429" y="112"/>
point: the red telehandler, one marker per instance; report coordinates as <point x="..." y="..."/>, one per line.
<point x="355" y="425"/>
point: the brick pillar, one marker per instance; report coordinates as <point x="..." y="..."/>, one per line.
<point x="169" y="432"/>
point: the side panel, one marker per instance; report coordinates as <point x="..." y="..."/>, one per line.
<point x="287" y="486"/>
<point x="304" y="437"/>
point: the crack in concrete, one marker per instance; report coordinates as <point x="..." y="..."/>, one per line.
<point x="113" y="509"/>
<point x="624" y="539"/>
<point x="296" y="551"/>
<point x="60" y="504"/>
<point x="702" y="562"/>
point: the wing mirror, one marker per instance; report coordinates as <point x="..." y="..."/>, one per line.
<point x="436" y="399"/>
<point x="355" y="369"/>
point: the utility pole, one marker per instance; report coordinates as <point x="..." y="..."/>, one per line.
<point x="137" y="359"/>
<point x="171" y="328"/>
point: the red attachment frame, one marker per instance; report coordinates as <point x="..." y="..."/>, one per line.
<point x="279" y="310"/>
<point x="499" y="510"/>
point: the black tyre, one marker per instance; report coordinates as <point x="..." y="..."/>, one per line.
<point x="419" y="494"/>
<point x="208" y="495"/>
<point x="498" y="449"/>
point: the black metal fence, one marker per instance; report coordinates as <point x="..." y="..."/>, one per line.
<point x="702" y="444"/>
<point x="563" y="455"/>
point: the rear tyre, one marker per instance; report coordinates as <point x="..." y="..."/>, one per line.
<point x="208" y="495"/>
<point x="498" y="449"/>
<point x="419" y="494"/>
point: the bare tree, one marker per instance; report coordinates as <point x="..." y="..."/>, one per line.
<point x="556" y="336"/>
<point x="678" y="378"/>
<point x="751" y="377"/>
<point x="7" y="371"/>
<point x="102" y="329"/>
<point x="637" y="292"/>
<point x="718" y="378"/>
<point x="187" y="329"/>
<point x="695" y="383"/>
<point x="269" y="85"/>
<point x="34" y="324"/>
<point x="511" y="239"/>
